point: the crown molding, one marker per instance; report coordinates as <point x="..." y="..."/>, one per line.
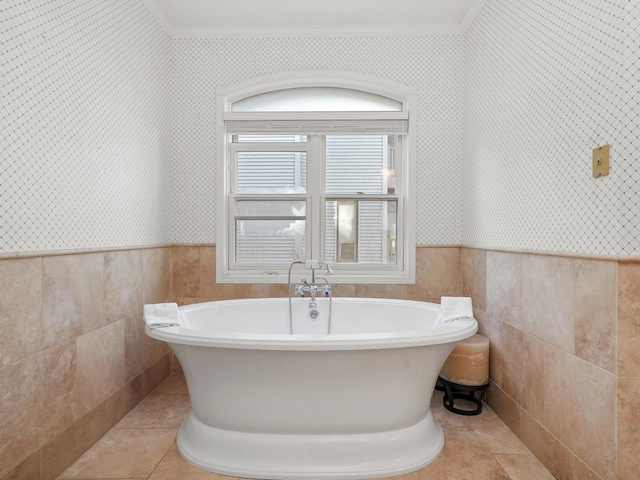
<point x="319" y="31"/>
<point x="315" y="31"/>
<point x="159" y="16"/>
<point x="471" y="14"/>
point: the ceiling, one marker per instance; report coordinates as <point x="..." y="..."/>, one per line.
<point x="212" y="15"/>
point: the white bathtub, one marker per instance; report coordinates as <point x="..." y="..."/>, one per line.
<point x="350" y="405"/>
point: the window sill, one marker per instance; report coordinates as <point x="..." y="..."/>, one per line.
<point x="339" y="278"/>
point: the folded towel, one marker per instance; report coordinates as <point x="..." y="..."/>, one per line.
<point x="453" y="308"/>
<point x="159" y="315"/>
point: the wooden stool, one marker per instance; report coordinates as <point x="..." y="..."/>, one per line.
<point x="465" y="374"/>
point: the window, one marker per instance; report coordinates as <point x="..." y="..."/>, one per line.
<point x="315" y="172"/>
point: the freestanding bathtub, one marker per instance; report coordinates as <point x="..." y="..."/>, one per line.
<point x="350" y="405"/>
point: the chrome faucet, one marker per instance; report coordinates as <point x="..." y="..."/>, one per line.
<point x="312" y="288"/>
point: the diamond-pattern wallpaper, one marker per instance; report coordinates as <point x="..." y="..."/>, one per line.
<point x="434" y="64"/>
<point x="84" y="125"/>
<point x="629" y="138"/>
<point x="546" y="81"/>
<point x="107" y="126"/>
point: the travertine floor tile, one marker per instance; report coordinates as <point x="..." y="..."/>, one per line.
<point x="123" y="453"/>
<point x="463" y="457"/>
<point x="174" y="384"/>
<point x="447" y="419"/>
<point x="523" y="467"/>
<point x="158" y="411"/>
<point x="496" y="436"/>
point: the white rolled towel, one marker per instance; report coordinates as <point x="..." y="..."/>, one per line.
<point x="159" y="315"/>
<point x="453" y="308"/>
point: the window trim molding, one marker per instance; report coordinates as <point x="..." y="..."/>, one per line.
<point x="407" y="95"/>
<point x="314" y="78"/>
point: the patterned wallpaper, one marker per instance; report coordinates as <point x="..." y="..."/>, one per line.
<point x="629" y="140"/>
<point x="84" y="125"/>
<point x="107" y="126"/>
<point x="545" y="82"/>
<point x="434" y="64"/>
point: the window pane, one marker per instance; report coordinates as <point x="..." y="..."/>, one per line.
<point x="347" y="231"/>
<point x="272" y="172"/>
<point x="360" y="164"/>
<point x="317" y="99"/>
<point x="271" y="208"/>
<point x="361" y="231"/>
<point x="270" y="241"/>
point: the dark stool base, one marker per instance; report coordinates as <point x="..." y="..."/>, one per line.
<point x="453" y="391"/>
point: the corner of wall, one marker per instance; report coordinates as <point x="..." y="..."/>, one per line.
<point x="472" y="13"/>
<point x="160" y="17"/>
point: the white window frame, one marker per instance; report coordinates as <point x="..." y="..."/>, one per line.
<point x="404" y="271"/>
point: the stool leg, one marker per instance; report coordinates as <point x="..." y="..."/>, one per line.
<point x="460" y="392"/>
<point x="447" y="399"/>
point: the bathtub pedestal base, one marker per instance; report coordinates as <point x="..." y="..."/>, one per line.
<point x="293" y="456"/>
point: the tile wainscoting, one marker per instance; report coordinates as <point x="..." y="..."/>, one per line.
<point x="194" y="278"/>
<point x="565" y="367"/>
<point x="74" y="358"/>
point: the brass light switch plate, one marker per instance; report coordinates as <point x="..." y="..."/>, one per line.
<point x="601" y="161"/>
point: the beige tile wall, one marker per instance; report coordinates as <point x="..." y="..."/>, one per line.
<point x="565" y="367"/>
<point x="74" y="358"/>
<point x="194" y="278"/>
<point x="564" y="347"/>
<point x="628" y="363"/>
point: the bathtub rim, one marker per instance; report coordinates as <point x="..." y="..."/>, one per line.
<point x="453" y="331"/>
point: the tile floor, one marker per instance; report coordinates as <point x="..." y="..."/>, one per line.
<point x="142" y="446"/>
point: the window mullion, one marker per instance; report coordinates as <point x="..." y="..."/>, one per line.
<point x="315" y="184"/>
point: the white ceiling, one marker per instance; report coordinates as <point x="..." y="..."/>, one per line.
<point x="202" y="15"/>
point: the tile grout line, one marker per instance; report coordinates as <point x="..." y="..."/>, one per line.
<point x="501" y="467"/>
<point x="160" y="461"/>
